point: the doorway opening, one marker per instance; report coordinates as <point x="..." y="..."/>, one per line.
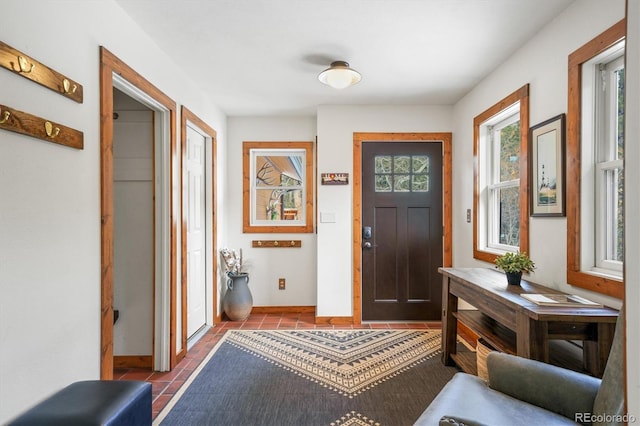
<point x="198" y="296"/>
<point x="358" y="231"/>
<point x="114" y="74"/>
<point x="133" y="209"/>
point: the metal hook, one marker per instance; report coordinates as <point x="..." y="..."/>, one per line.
<point x="24" y="65"/>
<point x="51" y="131"/>
<point x="5" y="117"/>
<point x="66" y="84"/>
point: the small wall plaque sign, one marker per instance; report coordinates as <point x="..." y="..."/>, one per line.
<point x="335" y="178"/>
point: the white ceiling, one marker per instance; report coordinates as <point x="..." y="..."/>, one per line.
<point x="262" y="57"/>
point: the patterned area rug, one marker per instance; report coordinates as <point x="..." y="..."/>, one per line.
<point x="346" y="361"/>
<point x="312" y="377"/>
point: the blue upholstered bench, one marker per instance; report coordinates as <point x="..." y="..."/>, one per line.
<point x="93" y="402"/>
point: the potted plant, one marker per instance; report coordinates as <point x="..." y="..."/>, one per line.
<point x="514" y="264"/>
<point x="237" y="301"/>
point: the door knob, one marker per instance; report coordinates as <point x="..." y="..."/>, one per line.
<point x="366" y="244"/>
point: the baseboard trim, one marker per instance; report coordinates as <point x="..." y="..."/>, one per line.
<point x="283" y="310"/>
<point x="335" y="320"/>
<point x="180" y="355"/>
<point x="132" y="361"/>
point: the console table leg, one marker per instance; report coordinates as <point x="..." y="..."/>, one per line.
<point x="532" y="338"/>
<point x="449" y="323"/>
<point x="596" y="353"/>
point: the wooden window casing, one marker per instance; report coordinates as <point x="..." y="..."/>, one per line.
<point x="522" y="96"/>
<point x="575" y="276"/>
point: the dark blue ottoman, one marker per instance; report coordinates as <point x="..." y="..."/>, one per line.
<point x="93" y="402"/>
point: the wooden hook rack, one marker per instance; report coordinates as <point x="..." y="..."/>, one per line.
<point x="276" y="243"/>
<point x="31" y="125"/>
<point x="27" y="67"/>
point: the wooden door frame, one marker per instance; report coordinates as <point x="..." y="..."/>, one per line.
<point x="186" y="117"/>
<point x="447" y="199"/>
<point x="110" y="64"/>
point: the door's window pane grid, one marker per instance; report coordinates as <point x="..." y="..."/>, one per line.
<point x="383" y="163"/>
<point x="383" y="183"/>
<point x="420" y="164"/>
<point x="401" y="164"/>
<point x="420" y="183"/>
<point x="401" y="173"/>
<point x="401" y="183"/>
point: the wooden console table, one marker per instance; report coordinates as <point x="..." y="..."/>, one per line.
<point x="512" y="324"/>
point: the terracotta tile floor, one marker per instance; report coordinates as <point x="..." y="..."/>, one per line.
<point x="165" y="385"/>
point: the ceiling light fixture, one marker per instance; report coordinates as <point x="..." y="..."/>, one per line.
<point x="339" y="75"/>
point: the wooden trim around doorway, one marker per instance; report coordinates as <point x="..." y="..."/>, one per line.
<point x="447" y="199"/>
<point x="110" y="64"/>
<point x="187" y="115"/>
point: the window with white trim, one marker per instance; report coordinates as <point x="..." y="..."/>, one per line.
<point x="595" y="143"/>
<point x="501" y="145"/>
<point x="602" y="143"/>
<point x="501" y="215"/>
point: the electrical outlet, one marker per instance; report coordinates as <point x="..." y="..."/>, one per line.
<point x="281" y="283"/>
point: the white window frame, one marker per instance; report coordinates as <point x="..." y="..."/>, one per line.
<point x="599" y="160"/>
<point x="490" y="183"/>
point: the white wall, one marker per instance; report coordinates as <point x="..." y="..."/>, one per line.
<point x="543" y="64"/>
<point x="266" y="265"/>
<point x="632" y="206"/>
<point x="336" y="125"/>
<point x="50" y="194"/>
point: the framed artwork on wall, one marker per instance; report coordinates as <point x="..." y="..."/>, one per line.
<point x="277" y="187"/>
<point x="547" y="169"/>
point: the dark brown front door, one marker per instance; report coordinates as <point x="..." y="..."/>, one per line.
<point x="402" y="230"/>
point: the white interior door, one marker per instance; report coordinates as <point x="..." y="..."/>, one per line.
<point x="196" y="231"/>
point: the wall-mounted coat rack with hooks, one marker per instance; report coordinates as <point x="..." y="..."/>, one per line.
<point x="276" y="243"/>
<point x="27" y="67"/>
<point x="31" y="125"/>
